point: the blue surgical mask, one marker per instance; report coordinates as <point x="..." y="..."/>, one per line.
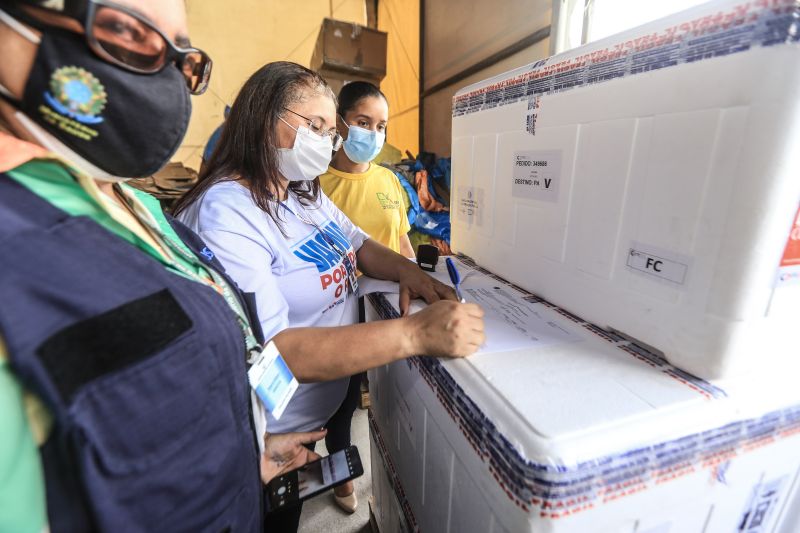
<point x="362" y="145"/>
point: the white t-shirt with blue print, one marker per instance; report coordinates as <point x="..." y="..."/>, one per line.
<point x="299" y="280"/>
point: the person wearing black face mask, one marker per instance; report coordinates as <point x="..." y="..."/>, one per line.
<point x="123" y="344"/>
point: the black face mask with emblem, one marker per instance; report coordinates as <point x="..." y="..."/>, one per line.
<point x="125" y="123"/>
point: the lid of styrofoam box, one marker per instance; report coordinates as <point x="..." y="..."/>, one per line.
<point x="755" y="24"/>
<point x="648" y="182"/>
<point x="592" y="396"/>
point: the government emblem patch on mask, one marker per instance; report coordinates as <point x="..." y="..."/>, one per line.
<point x="75" y="94"/>
<point x="125" y="123"/>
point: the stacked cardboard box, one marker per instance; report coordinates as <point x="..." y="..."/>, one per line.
<point x="347" y="52"/>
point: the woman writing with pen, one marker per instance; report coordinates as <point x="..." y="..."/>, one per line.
<point x="260" y="209"/>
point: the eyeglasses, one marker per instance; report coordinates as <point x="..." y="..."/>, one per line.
<point x="336" y="139"/>
<point x="123" y="37"/>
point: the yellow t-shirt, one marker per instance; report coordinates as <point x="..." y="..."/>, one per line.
<point x="372" y="200"/>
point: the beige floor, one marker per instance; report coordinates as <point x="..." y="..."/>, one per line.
<point x="321" y="514"/>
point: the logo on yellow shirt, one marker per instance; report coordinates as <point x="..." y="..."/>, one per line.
<point x="386" y="202"/>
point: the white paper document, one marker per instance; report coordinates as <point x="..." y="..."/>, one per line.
<point x="469" y="278"/>
<point x="513" y="323"/>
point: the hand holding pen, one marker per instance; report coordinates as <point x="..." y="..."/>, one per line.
<point x="455" y="277"/>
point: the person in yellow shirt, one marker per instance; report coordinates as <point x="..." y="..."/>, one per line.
<point x="369" y="194"/>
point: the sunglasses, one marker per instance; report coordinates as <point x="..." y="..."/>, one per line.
<point x="125" y="38"/>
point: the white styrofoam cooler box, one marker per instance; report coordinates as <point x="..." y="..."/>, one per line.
<point x="648" y="182"/>
<point x="594" y="435"/>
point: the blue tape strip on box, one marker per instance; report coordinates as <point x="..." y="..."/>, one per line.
<point x="744" y="27"/>
<point x="559" y="489"/>
<point x="391" y="471"/>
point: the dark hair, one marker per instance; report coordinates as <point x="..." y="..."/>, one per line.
<point x="352" y="93"/>
<point x="247" y="147"/>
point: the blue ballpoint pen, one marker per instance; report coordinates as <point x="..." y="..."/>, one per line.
<point x="455" y="277"/>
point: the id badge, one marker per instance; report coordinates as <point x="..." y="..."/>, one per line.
<point x="272" y="380"/>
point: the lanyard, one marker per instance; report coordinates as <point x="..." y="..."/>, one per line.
<point x="218" y="282"/>
<point x="352" y="279"/>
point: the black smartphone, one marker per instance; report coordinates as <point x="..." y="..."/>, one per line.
<point x="314" y="478"/>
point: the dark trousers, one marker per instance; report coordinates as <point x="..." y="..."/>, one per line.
<point x="338" y="438"/>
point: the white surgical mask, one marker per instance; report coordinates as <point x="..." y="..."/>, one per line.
<point x="308" y="158"/>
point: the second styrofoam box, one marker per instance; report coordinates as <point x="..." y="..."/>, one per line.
<point x="589" y="434"/>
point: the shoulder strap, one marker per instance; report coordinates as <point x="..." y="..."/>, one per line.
<point x="199" y="248"/>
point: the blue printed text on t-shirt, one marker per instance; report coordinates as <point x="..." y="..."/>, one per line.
<point x="318" y="250"/>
